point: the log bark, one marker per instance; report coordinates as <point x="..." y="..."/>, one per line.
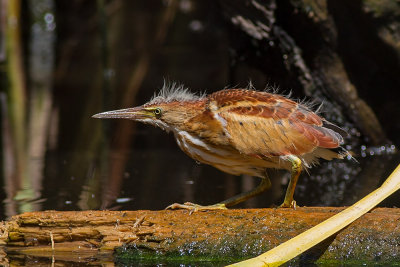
<point x="215" y="235"/>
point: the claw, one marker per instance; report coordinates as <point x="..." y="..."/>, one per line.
<point x="292" y="205"/>
<point x="191" y="207"/>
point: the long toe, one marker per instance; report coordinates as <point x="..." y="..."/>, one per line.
<point x="291" y="205"/>
<point x="192" y="207"/>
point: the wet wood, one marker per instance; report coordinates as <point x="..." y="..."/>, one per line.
<point x="234" y="233"/>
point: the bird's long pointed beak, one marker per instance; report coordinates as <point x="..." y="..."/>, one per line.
<point x="128" y="113"/>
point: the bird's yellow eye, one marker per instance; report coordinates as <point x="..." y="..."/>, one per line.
<point x="157" y="111"/>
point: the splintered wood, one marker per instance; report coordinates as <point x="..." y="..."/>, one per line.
<point x="247" y="231"/>
<point x="88" y="229"/>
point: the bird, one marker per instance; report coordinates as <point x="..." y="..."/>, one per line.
<point x="241" y="132"/>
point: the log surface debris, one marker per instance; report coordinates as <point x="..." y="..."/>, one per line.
<point x="234" y="234"/>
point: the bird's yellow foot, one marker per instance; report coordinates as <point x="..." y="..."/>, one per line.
<point x="289" y="205"/>
<point x="195" y="207"/>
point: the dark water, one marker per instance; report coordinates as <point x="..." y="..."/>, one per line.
<point x="156" y="176"/>
<point x="80" y="58"/>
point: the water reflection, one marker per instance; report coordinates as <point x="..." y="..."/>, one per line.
<point x="177" y="178"/>
<point x="155" y="177"/>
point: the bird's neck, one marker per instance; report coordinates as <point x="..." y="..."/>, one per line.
<point x="207" y="126"/>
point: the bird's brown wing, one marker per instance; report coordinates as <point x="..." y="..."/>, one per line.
<point x="263" y="124"/>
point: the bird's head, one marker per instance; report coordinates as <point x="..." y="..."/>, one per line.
<point x="169" y="110"/>
<point x="167" y="115"/>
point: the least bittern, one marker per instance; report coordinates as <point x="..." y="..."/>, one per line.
<point x="241" y="131"/>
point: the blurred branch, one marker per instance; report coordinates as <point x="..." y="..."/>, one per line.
<point x="8" y="157"/>
<point x="124" y="128"/>
<point x="3" y="29"/>
<point x="16" y="95"/>
<point x="24" y="137"/>
<point x="41" y="65"/>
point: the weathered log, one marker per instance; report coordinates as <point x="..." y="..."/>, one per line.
<point x="215" y="235"/>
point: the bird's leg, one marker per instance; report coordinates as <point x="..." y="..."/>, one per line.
<point x="264" y="185"/>
<point x="295" y="173"/>
<point x="192" y="207"/>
